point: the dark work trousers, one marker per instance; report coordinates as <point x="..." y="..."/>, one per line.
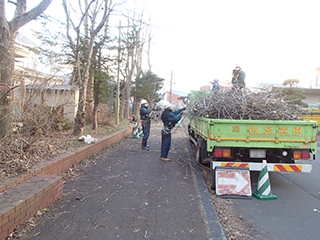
<point x="165" y="143"/>
<point x="146" y="130"/>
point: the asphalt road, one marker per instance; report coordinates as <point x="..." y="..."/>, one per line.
<point x="296" y="212"/>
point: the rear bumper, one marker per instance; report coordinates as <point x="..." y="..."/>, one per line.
<point x="272" y="167"/>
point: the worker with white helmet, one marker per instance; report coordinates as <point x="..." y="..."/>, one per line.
<point x="146" y="123"/>
<point x="169" y="119"/>
<point x="238" y="76"/>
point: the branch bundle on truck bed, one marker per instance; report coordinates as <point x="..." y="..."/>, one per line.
<point x="261" y="105"/>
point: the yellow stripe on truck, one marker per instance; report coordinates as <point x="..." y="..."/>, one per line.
<point x="287" y="168"/>
<point x="244" y="165"/>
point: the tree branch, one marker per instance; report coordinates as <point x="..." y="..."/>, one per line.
<point x="83" y="16"/>
<point x="107" y="11"/>
<point x="2" y="11"/>
<point x="23" y="18"/>
<point x="68" y="26"/>
<point x="21" y="7"/>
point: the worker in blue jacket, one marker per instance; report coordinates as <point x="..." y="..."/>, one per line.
<point x="169" y="119"/>
<point x="146" y="123"/>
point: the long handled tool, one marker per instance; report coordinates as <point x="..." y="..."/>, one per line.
<point x="180" y="121"/>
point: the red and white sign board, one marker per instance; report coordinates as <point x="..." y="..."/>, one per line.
<point x="231" y="181"/>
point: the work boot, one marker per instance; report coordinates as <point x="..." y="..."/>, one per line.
<point x="144" y="145"/>
<point x="165" y="159"/>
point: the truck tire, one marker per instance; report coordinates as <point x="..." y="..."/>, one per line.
<point x="191" y="135"/>
<point x="202" y="154"/>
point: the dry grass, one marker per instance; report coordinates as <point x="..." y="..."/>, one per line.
<point x="19" y="152"/>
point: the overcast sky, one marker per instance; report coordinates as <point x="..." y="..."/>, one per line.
<point x="202" y="40"/>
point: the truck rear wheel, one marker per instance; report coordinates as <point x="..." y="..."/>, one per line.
<point x="202" y="154"/>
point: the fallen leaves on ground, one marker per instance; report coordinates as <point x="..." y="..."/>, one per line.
<point x="234" y="227"/>
<point x="19" y="153"/>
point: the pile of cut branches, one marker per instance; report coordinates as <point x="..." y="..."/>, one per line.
<point x="262" y="105"/>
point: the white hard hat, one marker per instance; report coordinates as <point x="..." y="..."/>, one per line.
<point x="143" y="101"/>
<point x="237" y="66"/>
<point x="166" y="104"/>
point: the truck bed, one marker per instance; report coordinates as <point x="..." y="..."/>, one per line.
<point x="256" y="133"/>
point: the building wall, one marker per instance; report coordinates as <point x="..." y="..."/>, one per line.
<point x="312" y="99"/>
<point x="205" y="88"/>
<point x="67" y="99"/>
<point x="25" y="74"/>
<point x="24" y="57"/>
<point x="174" y="98"/>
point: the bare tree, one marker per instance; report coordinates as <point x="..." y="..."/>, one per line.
<point x="89" y="95"/>
<point x="133" y="64"/>
<point x="8" y="31"/>
<point x="128" y="73"/>
<point x="94" y="7"/>
<point x="144" y="32"/>
<point x="100" y="69"/>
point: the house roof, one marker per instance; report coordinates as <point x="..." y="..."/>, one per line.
<point x="312" y="90"/>
<point x="56" y="87"/>
<point x="180" y="93"/>
<point x="278" y="85"/>
<point x="20" y="37"/>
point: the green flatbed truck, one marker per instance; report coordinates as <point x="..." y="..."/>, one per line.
<point x="245" y="143"/>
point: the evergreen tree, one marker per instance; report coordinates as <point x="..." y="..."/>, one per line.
<point x="147" y="87"/>
<point x="292" y="95"/>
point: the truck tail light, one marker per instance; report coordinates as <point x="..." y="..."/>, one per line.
<point x="220" y="152"/>
<point x="301" y="155"/>
<point x="297" y="155"/>
<point x="226" y="153"/>
<point x="305" y="155"/>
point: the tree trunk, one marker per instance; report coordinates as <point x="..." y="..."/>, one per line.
<point x="127" y="95"/>
<point x="6" y="79"/>
<point x="136" y="108"/>
<point x="89" y="98"/>
<point x="8" y="32"/>
<point x="96" y="103"/>
<point x="79" y="121"/>
<point x="80" y="116"/>
<point x="95" y="116"/>
<point x="128" y="88"/>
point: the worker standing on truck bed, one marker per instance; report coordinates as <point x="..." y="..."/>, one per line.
<point x="169" y="119"/>
<point x="238" y="76"/>
<point x="146" y="123"/>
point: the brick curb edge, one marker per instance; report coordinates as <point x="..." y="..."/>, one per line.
<point x="16" y="208"/>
